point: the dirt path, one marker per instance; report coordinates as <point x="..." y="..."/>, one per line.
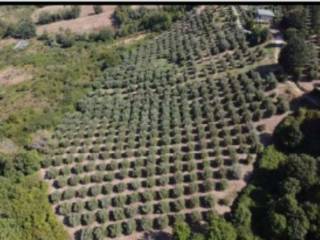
<point x="278" y="42"/>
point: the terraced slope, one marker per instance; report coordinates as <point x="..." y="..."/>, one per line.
<point x="168" y="134"/>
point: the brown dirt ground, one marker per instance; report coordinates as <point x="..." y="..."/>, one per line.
<point x="87" y="22"/>
<point x="7" y="42"/>
<point x="288" y="89"/>
<point x="146" y="6"/>
<point x="308" y="86"/>
<point x="12" y="76"/>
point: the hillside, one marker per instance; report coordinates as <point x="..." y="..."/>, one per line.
<point x="169" y="122"/>
<point x="169" y="133"/>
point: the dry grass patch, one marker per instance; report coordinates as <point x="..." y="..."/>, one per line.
<point x="7" y="146"/>
<point x="12" y="76"/>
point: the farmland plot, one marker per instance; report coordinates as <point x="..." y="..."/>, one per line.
<point x="167" y="135"/>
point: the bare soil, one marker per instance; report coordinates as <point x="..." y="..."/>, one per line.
<point x="7" y="42"/>
<point x="87" y="22"/>
<point x="12" y="76"/>
<point x="308" y="86"/>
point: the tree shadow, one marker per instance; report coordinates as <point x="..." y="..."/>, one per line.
<point x="266" y="69"/>
<point x="156" y="235"/>
<point x="266" y="138"/>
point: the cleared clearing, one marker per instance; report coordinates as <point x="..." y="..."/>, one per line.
<point x="87" y="22"/>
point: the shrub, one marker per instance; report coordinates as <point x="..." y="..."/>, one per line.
<point x="98" y="233"/>
<point x="65" y="14"/>
<point x="161" y="222"/>
<point x="65" y="39"/>
<point x="92" y="204"/>
<point x="117" y="214"/>
<point x="207" y="201"/>
<point x="24" y="29"/>
<point x="119" y="201"/>
<point x="235" y="172"/>
<point x="134" y="185"/>
<point x="86" y="234"/>
<point x="146" y="208"/>
<point x="130" y="212"/>
<point x="97" y="178"/>
<point x="87" y="218"/>
<point x="104" y="35"/>
<point x="193" y="202"/>
<point x="61" y="182"/>
<point x="208" y="185"/>
<point x="82" y="192"/>
<point x="68" y="194"/>
<point x="106" y="189"/>
<point x="146" y="196"/>
<point x="176" y="192"/>
<point x="222" y="185"/>
<point x="77" y="207"/>
<point x="73" y="181"/>
<point x="194" y="217"/>
<point x="177" y="205"/>
<point x="104" y="202"/>
<point x="114" y="230"/>
<point x="120" y="187"/>
<point x="102" y="216"/>
<point x="132" y="198"/>
<point x="97" y="9"/>
<point x="95" y="190"/>
<point x="181" y="231"/>
<point x="128" y="227"/>
<point x="73" y="220"/>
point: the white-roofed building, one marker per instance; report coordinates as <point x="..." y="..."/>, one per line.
<point x="264" y="15"/>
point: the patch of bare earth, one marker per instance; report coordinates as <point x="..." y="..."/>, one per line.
<point x="146" y="6"/>
<point x="287" y="90"/>
<point x="308" y="86"/>
<point x="87" y="22"/>
<point x="131" y="39"/>
<point x="7" y="42"/>
<point x="12" y="76"/>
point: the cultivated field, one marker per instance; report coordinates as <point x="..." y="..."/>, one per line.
<point x="169" y="134"/>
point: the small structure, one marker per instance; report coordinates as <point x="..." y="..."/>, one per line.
<point x="264" y="15"/>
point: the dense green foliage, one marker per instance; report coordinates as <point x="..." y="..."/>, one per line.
<point x="64" y="14"/>
<point x="299" y="133"/>
<point x="61" y="77"/>
<point x="130" y="20"/>
<point x="97" y="9"/>
<point x="24" y="209"/>
<point x="281" y="201"/>
<point x="24" y="29"/>
<point x="300" y="57"/>
<point x="294" y="56"/>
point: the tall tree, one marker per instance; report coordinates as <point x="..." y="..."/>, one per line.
<point x="220" y="229"/>
<point x="294" y="56"/>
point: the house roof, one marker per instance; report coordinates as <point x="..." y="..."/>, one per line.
<point x="265" y="12"/>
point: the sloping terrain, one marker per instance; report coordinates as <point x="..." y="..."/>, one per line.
<point x="168" y="134"/>
<point x="88" y="21"/>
